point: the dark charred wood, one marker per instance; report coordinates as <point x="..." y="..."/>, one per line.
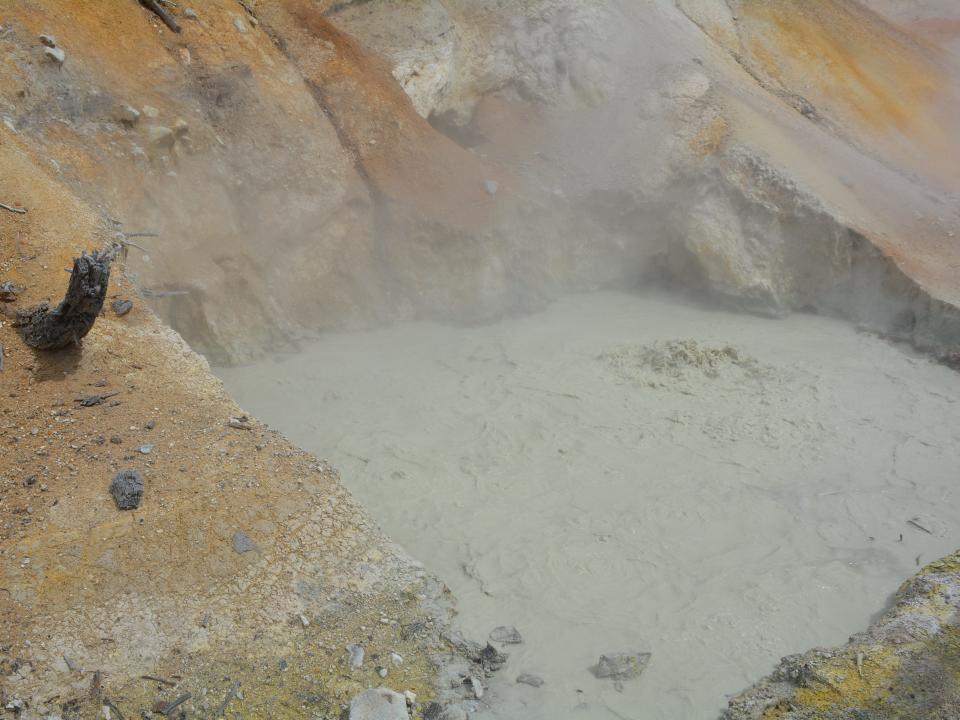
<point x="45" y="329"/>
<point x="162" y="13"/>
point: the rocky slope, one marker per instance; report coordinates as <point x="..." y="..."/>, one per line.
<point x="903" y="666"/>
<point x="317" y="165"/>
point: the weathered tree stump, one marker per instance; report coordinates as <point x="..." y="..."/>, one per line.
<point x="45" y="329"/>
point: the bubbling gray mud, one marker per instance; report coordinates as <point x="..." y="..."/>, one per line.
<point x="628" y="474"/>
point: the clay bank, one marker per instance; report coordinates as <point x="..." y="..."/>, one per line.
<point x="635" y="323"/>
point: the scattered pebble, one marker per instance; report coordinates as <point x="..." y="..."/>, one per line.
<point x="622" y="666"/>
<point x="151" y="112"/>
<point x="9" y="291"/>
<point x="150" y="424"/>
<point x="506" y="635"/>
<point x="116" y="439"/>
<point x="49" y="40"/>
<point x="190" y="14"/>
<point x="240" y="25"/>
<point x="379" y="704"/>
<point x="528" y="679"/>
<point x="242" y="543"/>
<point x="30" y="480"/>
<point x="128" y="115"/>
<point x="356" y="654"/>
<point x="127" y="489"/>
<point x="159" y="136"/>
<point x="476" y="686"/>
<point x="55" y="55"/>
<point x="491" y="186"/>
<point x="382" y="672"/>
<point x="122" y="307"/>
<point x="146" y="449"/>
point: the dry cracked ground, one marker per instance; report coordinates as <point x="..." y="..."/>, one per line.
<point x="306" y="166"/>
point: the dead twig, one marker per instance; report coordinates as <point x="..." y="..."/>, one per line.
<point x="92" y="400"/>
<point x="113" y="707"/>
<point x="147" y="292"/>
<point x="18" y="211"/>
<point x="918" y="526"/>
<point x="96" y="684"/>
<point x="231" y="694"/>
<point x="168" y="683"/>
<point x="171" y="706"/>
<point x="123" y="240"/>
<point x="46" y="329"/>
<point x="161" y="12"/>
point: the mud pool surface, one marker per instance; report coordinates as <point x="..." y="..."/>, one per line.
<point x="719" y="502"/>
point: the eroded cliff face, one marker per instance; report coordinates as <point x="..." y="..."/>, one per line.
<point x="315" y="165"/>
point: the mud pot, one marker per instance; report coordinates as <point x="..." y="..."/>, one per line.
<point x="631" y="474"/>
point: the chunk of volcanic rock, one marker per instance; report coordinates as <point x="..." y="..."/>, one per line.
<point x="242" y="543"/>
<point x="379" y="704"/>
<point x="506" y="635"/>
<point x="622" y="666"/>
<point x="127" y="489"/>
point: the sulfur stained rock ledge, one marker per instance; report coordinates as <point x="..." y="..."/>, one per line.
<point x="906" y="665"/>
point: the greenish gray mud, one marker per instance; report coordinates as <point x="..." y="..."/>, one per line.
<point x="628" y="473"/>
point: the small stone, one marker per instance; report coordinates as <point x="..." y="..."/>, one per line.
<point x="356" y="654"/>
<point x="151" y="112"/>
<point x="9" y="291"/>
<point x="30" y="481"/>
<point x="55" y="55"/>
<point x="181" y="127"/>
<point x="476" y="686"/>
<point x="382" y="672"/>
<point x="190" y="14"/>
<point x="304" y="621"/>
<point x="396" y="659"/>
<point x="380" y="704"/>
<point x="49" y="40"/>
<point x="116" y="439"/>
<point x="240" y="25"/>
<point x="242" y="543"/>
<point x="159" y="136"/>
<point x="528" y="679"/>
<point x="622" y="666"/>
<point x="150" y="424"/>
<point x="146" y="449"/>
<point x="122" y="307"/>
<point x="491" y="186"/>
<point x="411" y="697"/>
<point x="127" y="489"/>
<point x="128" y="115"/>
<point x="506" y="635"/>
<point x="283" y="665"/>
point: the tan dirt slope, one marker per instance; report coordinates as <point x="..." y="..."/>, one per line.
<point x="91" y="597"/>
